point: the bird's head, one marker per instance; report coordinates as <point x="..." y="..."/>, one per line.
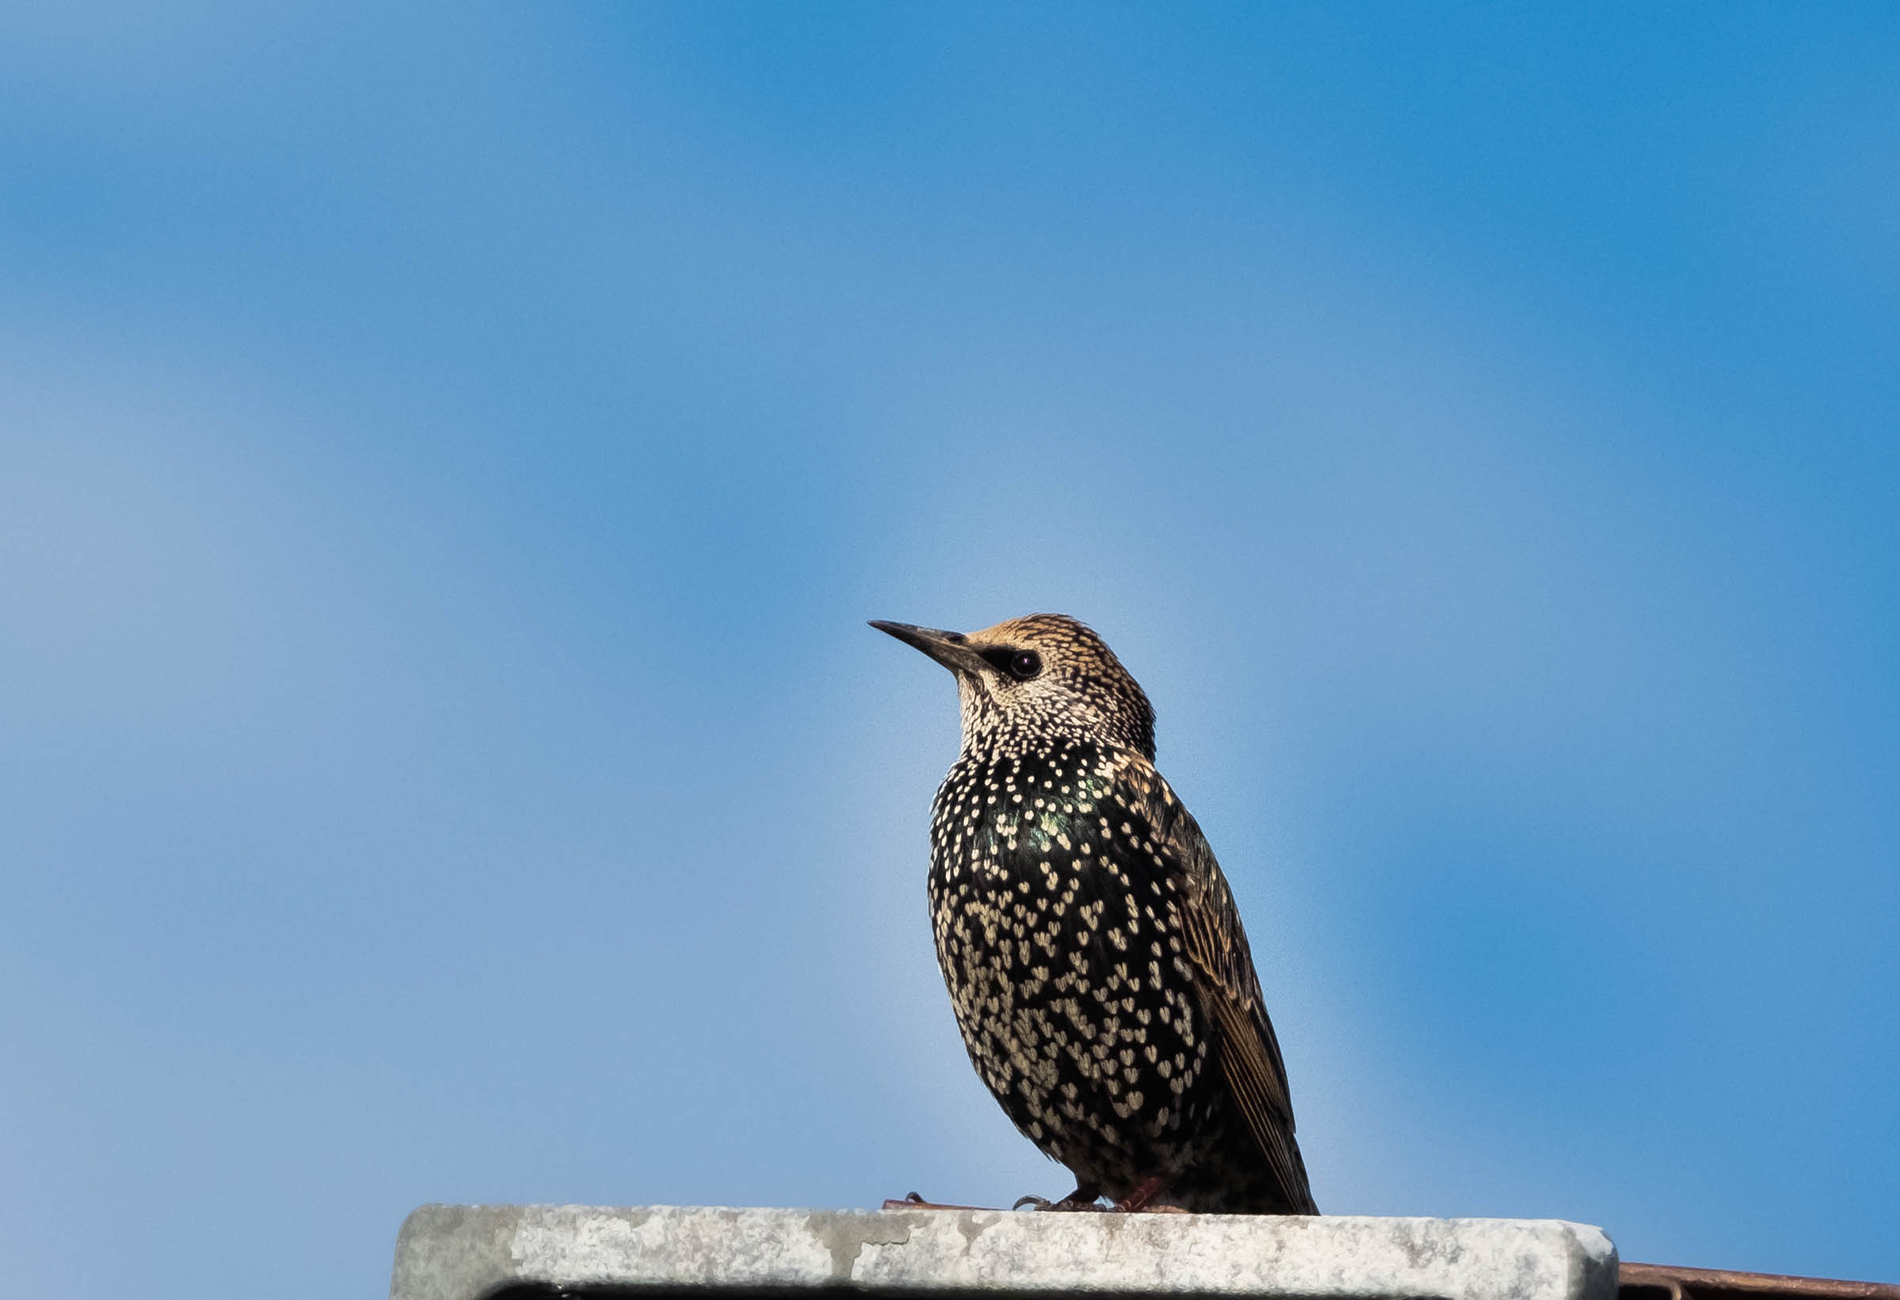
<point x="1037" y="678"/>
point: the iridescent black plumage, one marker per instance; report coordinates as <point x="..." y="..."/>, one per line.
<point x="1090" y="944"/>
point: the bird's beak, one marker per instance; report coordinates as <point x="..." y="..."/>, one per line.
<point x="951" y="649"/>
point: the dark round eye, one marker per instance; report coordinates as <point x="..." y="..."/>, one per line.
<point x="1024" y="664"/>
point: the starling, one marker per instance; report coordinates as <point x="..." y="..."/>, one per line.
<point x="1092" y="950"/>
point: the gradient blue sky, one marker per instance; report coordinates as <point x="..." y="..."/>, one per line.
<point x="448" y="455"/>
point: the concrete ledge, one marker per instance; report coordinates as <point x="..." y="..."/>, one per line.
<point x="472" y="1252"/>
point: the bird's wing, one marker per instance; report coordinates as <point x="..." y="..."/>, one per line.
<point x="1224" y="974"/>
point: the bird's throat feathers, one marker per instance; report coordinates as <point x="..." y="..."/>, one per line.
<point x="1079" y="692"/>
<point x="1028" y="723"/>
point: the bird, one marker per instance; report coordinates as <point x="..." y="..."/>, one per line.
<point x="1089" y="941"/>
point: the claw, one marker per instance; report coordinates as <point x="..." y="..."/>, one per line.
<point x="1082" y="1198"/>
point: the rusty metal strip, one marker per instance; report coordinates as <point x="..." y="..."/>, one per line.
<point x="1727" y="1284"/>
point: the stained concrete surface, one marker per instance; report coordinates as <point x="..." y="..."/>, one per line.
<point x="475" y="1252"/>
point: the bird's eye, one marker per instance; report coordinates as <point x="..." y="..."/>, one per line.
<point x="1024" y="664"/>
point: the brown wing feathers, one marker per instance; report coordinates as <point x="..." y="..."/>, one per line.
<point x="1250" y="1053"/>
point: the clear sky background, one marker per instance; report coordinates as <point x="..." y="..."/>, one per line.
<point x="448" y="455"/>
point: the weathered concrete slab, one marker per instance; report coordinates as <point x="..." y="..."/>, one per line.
<point x="469" y="1252"/>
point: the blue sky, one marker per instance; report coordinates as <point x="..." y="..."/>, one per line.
<point x="447" y="457"/>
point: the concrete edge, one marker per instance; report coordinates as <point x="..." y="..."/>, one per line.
<point x="1593" y="1262"/>
<point x="455" y="1252"/>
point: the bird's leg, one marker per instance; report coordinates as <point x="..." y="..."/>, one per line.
<point x="1142" y="1198"/>
<point x="1082" y="1198"/>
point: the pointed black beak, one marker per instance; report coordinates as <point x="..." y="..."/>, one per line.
<point x="951" y="649"/>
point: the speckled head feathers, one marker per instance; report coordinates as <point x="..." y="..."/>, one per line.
<point x="1045" y="677"/>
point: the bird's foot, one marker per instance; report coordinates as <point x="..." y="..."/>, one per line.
<point x="1142" y="1200"/>
<point x="1082" y="1198"/>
